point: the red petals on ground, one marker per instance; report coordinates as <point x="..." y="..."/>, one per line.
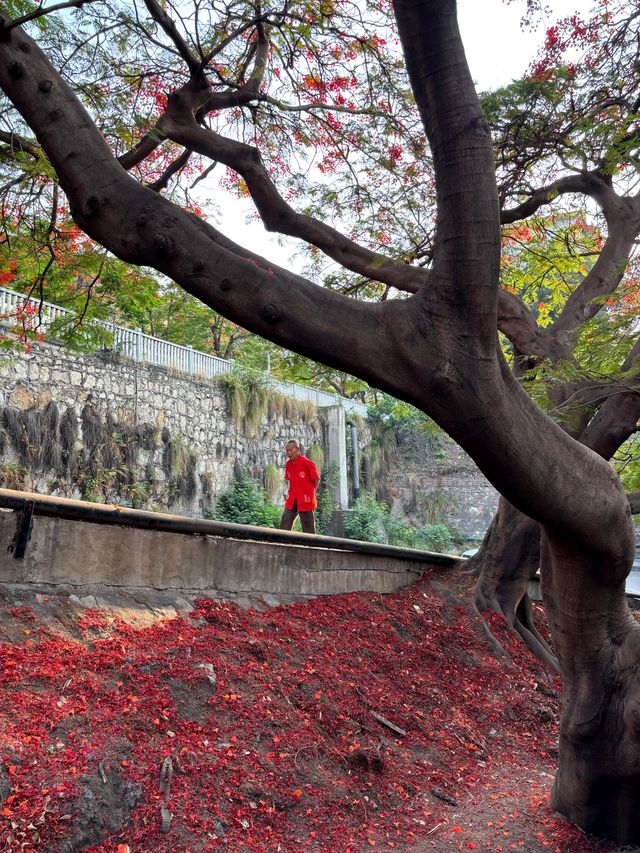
<point x="346" y="723"/>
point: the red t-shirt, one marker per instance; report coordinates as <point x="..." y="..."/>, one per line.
<point x="301" y="474"/>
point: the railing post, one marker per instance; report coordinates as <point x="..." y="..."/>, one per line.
<point x="138" y="345"/>
<point x="189" y="358"/>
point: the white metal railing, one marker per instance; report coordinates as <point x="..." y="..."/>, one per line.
<point x="145" y="348"/>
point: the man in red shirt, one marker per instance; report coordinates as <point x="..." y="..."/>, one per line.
<point x="303" y="479"/>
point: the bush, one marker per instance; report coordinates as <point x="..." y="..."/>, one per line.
<point x="328" y="481"/>
<point x="399" y="533"/>
<point x="436" y="537"/>
<point x="371" y="521"/>
<point x="364" y="521"/>
<point x="245" y="502"/>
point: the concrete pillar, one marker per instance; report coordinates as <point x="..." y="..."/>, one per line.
<point x="337" y="452"/>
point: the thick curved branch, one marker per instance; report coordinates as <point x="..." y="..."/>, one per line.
<point x="607" y="272"/>
<point x="623" y="219"/>
<point x="517" y="322"/>
<point x="584" y="183"/>
<point x="232" y="97"/>
<point x="179" y="124"/>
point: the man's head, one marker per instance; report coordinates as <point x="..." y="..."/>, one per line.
<point x="292" y="449"/>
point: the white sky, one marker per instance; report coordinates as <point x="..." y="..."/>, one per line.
<point x="498" y="51"/>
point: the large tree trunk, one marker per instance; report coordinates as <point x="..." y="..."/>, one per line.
<point x="509" y="556"/>
<point x="598" y="643"/>
<point x="436" y="350"/>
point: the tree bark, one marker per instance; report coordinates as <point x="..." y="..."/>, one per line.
<point x="508" y="559"/>
<point x="509" y="556"/>
<point x="436" y="350"/>
<point x="598" y="644"/>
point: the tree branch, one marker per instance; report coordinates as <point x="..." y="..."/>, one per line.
<point x="217" y="101"/>
<point x="19" y="144"/>
<point x="634" y="502"/>
<point x="517" y="322"/>
<point x="616" y="419"/>
<point x="174" y="167"/>
<point x="168" y="25"/>
<point x="467" y="253"/>
<point x="607" y="272"/>
<point x="584" y="183"/>
<point x="6" y="26"/>
<point x="178" y="123"/>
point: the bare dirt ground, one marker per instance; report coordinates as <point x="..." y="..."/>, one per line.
<point x="350" y="723"/>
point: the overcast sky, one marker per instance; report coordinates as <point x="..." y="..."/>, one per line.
<point x="497" y="48"/>
<point x="498" y="51"/>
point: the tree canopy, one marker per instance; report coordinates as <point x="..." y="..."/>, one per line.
<point x="409" y="199"/>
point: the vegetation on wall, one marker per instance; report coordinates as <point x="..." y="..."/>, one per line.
<point x="13" y="476"/>
<point x="249" y="398"/>
<point x="103" y="459"/>
<point x="273" y="480"/>
<point x="179" y="465"/>
<point x="329" y="480"/>
<point x="434" y="506"/>
<point x="316" y="454"/>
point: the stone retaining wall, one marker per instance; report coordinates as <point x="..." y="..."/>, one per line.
<point x="434" y="480"/>
<point x="108" y="429"/>
<point x="101" y="428"/>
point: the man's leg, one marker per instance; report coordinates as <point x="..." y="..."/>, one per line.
<point x="308" y="522"/>
<point x="288" y="517"/>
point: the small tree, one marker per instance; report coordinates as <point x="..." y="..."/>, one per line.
<point x="245" y="502"/>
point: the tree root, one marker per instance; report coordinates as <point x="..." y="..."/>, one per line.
<point x="519" y="618"/>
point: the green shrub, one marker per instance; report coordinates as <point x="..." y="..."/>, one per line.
<point x="436" y="537"/>
<point x="399" y="533"/>
<point x="371" y="521"/>
<point x="245" y="502"/>
<point x="328" y="481"/>
<point x="364" y="521"/>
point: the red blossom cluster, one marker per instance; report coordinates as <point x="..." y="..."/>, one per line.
<point x="7" y="270"/>
<point x="570" y="35"/>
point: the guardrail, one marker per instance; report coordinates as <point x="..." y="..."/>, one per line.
<point x="147" y="349"/>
